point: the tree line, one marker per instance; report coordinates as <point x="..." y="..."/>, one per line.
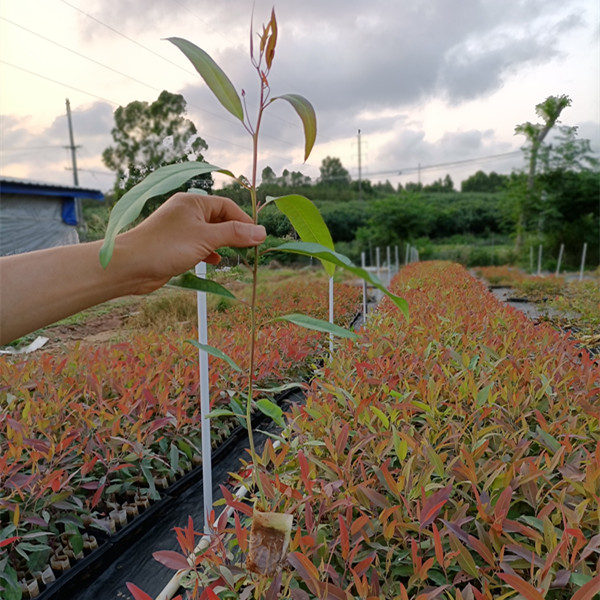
<point x="553" y="200"/>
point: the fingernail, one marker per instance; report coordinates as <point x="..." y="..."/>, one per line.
<point x="258" y="234"/>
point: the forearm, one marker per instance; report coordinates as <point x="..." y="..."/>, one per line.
<point x="39" y="288"/>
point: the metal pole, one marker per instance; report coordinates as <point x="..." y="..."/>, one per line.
<point x="204" y="402"/>
<point x="378" y="261"/>
<point x="407" y="254"/>
<point x="539" y="268"/>
<point x="560" y="255"/>
<point x="582" y="261"/>
<point x="397" y="258"/>
<point x="73" y="148"/>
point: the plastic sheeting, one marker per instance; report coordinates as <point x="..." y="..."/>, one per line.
<point x="28" y="224"/>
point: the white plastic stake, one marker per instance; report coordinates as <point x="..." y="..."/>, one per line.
<point x="364" y="286"/>
<point x="582" y="261"/>
<point x="407" y="253"/>
<point x="560" y="255"/>
<point x="204" y="401"/>
<point x="331" y="317"/>
<point x="389" y="265"/>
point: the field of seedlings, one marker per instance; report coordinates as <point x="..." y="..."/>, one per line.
<point x="453" y="456"/>
<point x="91" y="435"/>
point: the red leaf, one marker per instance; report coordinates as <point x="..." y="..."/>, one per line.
<point x="8" y="541"/>
<point x="137" y="593"/>
<point x="437" y="542"/>
<point x="344" y="538"/>
<point x="520" y="585"/>
<point x="433" y="505"/>
<point x="305" y="471"/>
<point x="503" y="504"/>
<point x="171" y="559"/>
<point x="305" y="569"/>
<point x="589" y="590"/>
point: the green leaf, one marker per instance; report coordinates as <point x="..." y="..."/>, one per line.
<point x="323" y="253"/>
<point x="159" y="182"/>
<point x="317" y="324"/>
<point x="381" y="416"/>
<point x="174" y="457"/>
<point x="483" y="395"/>
<point x="306" y="112"/>
<point x="271" y="410"/>
<point x="282" y="388"/>
<point x="76" y="541"/>
<point x="547" y="439"/>
<point x="220" y="412"/>
<point x="216" y="353"/>
<point x="9" y="581"/>
<point x="189" y="281"/>
<point x="400" y="445"/>
<point x="308" y="222"/>
<point x="213" y="75"/>
<point x="145" y="467"/>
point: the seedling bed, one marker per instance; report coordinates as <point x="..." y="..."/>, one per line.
<point x="127" y="554"/>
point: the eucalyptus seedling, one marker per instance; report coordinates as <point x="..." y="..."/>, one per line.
<point x="304" y="216"/>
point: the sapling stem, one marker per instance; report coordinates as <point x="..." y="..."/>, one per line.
<point x="253" y="327"/>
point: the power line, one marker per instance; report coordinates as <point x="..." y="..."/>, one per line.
<point x="455" y="163"/>
<point x="126" y="37"/>
<point x="105" y="66"/>
<point x="71" y="87"/>
<point x="110" y="28"/>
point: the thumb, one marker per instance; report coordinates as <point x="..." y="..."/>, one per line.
<point x="237" y="234"/>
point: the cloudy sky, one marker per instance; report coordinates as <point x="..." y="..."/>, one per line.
<point x="438" y="84"/>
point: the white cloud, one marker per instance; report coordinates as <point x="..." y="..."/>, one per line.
<point x="439" y="81"/>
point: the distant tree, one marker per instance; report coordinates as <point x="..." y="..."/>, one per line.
<point x="150" y="135"/>
<point x="535" y="133"/>
<point x="333" y="173"/>
<point x="297" y="179"/>
<point x="412" y="187"/>
<point x="445" y="185"/>
<point x="482" y="182"/>
<point x="268" y="176"/>
<point x="384" y="189"/>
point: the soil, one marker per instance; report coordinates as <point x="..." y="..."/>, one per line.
<point x="103" y="324"/>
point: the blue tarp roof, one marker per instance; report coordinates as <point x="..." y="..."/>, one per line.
<point x="12" y="185"/>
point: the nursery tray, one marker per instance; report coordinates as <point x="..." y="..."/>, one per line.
<point x="126" y="556"/>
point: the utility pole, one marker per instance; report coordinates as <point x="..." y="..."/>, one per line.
<point x="359" y="168"/>
<point x="73" y="148"/>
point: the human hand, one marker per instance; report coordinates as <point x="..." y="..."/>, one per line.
<point x="185" y="230"/>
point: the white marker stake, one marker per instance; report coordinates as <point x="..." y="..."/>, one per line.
<point x="204" y="402"/>
<point x="331" y="317"/>
<point x="364" y="286"/>
<point x="389" y="265"/>
<point x="582" y="268"/>
<point x="560" y="255"/>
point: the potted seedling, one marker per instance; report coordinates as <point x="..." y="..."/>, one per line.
<point x="270" y="532"/>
